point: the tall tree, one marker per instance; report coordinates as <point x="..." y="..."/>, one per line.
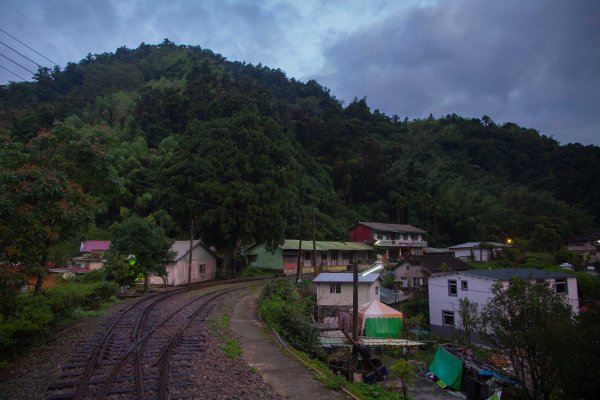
<point x="144" y="243"/>
<point x="50" y="191"/>
<point x="533" y="326"/>
<point x="237" y="177"/>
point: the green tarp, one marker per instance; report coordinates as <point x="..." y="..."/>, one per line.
<point x="383" y="327"/>
<point x="447" y="368"/>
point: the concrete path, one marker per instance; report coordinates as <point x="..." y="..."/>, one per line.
<point x="262" y="351"/>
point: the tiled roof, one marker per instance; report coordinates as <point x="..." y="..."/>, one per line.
<point x="90" y="246"/>
<point x="391" y="227"/>
<point x="321" y="245"/>
<point x="508" y="273"/>
<point x="344" y="277"/>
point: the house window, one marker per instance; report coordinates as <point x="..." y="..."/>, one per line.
<point x="307" y="255"/>
<point x="561" y="286"/>
<point x="416" y="282"/>
<point x="335" y="288"/>
<point x="452" y="290"/>
<point x="448" y="318"/>
<point x="377" y="291"/>
<point x="407" y="267"/>
<point x="202" y="268"/>
<point x="464" y="285"/>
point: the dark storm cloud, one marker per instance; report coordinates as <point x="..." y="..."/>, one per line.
<point x="535" y="63"/>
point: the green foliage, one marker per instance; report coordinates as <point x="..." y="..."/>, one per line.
<point x="523" y="321"/>
<point x="27" y="324"/>
<point x="367" y="391"/>
<point x="94" y="276"/>
<point x="145" y="242"/>
<point x="63" y="299"/>
<point x="281" y="308"/>
<point x="403" y="370"/>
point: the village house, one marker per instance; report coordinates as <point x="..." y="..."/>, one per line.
<point x="586" y="246"/>
<point x="446" y="290"/>
<point x="331" y="256"/>
<point x="335" y="290"/>
<point x="477" y="251"/>
<point x="414" y="271"/>
<point x="395" y="240"/>
<point x="92" y="255"/>
<point x="203" y="266"/>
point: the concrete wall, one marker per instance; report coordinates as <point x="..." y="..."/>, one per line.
<point x="366" y="293"/>
<point x="479" y="290"/>
<point x="177" y="273"/>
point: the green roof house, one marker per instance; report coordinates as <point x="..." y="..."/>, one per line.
<point x="331" y="256"/>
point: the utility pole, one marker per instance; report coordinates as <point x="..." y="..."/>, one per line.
<point x="299" y="250"/>
<point x="316" y="268"/>
<point x="355" y="301"/>
<point x="191" y="246"/>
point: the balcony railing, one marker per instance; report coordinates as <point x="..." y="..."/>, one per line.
<point x="401" y="243"/>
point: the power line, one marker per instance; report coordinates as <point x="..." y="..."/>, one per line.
<point x="22" y="55"/>
<point x="38" y="53"/>
<point x="14" y="62"/>
<point x="18" y="76"/>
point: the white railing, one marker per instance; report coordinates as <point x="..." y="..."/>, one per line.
<point x="401" y="243"/>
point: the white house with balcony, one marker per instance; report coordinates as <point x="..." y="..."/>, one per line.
<point x="397" y="240"/>
<point x="446" y="290"/>
<point x="335" y="290"/>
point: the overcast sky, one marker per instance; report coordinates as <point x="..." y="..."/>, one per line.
<point x="532" y="62"/>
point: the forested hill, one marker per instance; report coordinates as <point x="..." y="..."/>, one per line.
<point x="248" y="151"/>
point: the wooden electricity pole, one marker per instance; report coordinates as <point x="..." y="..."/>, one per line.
<point x="191" y="247"/>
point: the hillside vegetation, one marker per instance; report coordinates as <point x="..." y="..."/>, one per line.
<point x="248" y="152"/>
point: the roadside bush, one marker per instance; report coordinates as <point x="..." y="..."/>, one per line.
<point x="65" y="298"/>
<point x="281" y="308"/>
<point x="27" y="325"/>
<point x="97" y="275"/>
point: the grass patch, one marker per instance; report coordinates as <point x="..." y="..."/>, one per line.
<point x="220" y="325"/>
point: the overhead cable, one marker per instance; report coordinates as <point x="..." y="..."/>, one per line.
<point x="36" y="52"/>
<point x="22" y="55"/>
<point x="18" y="76"/>
<point x="14" y="62"/>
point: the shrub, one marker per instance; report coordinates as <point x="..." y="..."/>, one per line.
<point x="97" y="275"/>
<point x="281" y="308"/>
<point x="27" y="325"/>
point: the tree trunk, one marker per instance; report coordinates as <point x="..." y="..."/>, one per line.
<point x="39" y="283"/>
<point x="227" y="260"/>
<point x="146" y="281"/>
<point x="41" y="274"/>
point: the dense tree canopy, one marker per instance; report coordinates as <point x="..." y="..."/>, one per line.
<point x="229" y="143"/>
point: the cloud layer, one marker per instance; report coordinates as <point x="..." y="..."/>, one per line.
<point x="535" y="62"/>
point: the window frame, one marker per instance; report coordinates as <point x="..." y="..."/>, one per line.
<point x="452" y="283"/>
<point x="449" y="314"/>
<point x="335" y="288"/>
<point x="464" y="285"/>
<point x="563" y="283"/>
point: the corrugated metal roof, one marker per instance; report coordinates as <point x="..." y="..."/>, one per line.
<point x="392" y="227"/>
<point x="182" y="247"/>
<point x="509" y="273"/>
<point x="90" y="246"/>
<point x="475" y="245"/>
<point x="389" y="296"/>
<point x="322" y="245"/>
<point x="344" y="277"/>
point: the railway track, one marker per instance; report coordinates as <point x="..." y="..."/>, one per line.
<point x="146" y="350"/>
